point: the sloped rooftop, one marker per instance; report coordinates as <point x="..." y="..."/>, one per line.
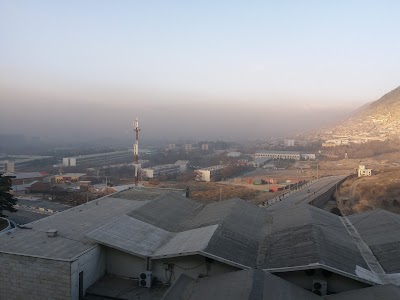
<point x="246" y="236"/>
<point x="239" y="224"/>
<point x="160" y="223"/>
<point x="150" y="240"/>
<point x="380" y="231"/>
<point x="304" y="235"/>
<point x="72" y="226"/>
<point x="246" y="284"/>
<point x="378" y="292"/>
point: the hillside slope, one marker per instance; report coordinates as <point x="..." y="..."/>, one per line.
<point x="378" y="120"/>
<point x="362" y="194"/>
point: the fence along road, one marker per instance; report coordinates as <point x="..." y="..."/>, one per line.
<point x="308" y="193"/>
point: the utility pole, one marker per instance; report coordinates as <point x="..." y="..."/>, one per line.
<point x="136" y="150"/>
<point x="317" y="171"/>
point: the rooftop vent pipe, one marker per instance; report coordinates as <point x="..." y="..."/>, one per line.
<point x="51" y="232"/>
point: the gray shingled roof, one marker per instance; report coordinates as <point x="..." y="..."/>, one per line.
<point x="144" y="193"/>
<point x="149" y="240"/>
<point x="298" y="237"/>
<point x="240" y="285"/>
<point x="167" y="212"/>
<point x="239" y="232"/>
<point x="380" y="230"/>
<point x="237" y="236"/>
<point x="72" y="225"/>
<point x="379" y="292"/>
<point x="304" y="235"/>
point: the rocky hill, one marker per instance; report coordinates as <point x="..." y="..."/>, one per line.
<point x="378" y="120"/>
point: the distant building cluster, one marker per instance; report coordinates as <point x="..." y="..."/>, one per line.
<point x="347" y="140"/>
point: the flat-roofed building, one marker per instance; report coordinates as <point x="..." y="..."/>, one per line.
<point x="278" y="154"/>
<point x="68" y="177"/>
<point x="259" y="162"/>
<point x="362" y="171"/>
<point x="288" y="143"/>
<point x="169" y="169"/>
<point x="15" y="163"/>
<point x="209" y="174"/>
<point x="308" y="156"/>
<point x="100" y="159"/>
<point x="183" y="164"/>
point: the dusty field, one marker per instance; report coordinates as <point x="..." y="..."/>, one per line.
<point x="237" y="187"/>
<point x="214" y="191"/>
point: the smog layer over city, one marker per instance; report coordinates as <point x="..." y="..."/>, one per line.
<point x="199" y="150"/>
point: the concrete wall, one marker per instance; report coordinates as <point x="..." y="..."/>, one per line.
<point x="336" y="283"/>
<point x="93" y="266"/>
<point x="25" y="277"/>
<point x="322" y="199"/>
<point x="123" y="264"/>
<point x="193" y="266"/>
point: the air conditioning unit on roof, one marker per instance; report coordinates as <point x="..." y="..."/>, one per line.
<point x="320" y="287"/>
<point x="145" y="279"/>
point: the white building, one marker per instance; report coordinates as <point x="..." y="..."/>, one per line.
<point x="234" y="154"/>
<point x="288" y="143"/>
<point x="362" y="171"/>
<point x="278" y="154"/>
<point x="308" y="156"/>
<point x="209" y="174"/>
<point x="171" y="146"/>
<point x="169" y="169"/>
<point x="188" y="147"/>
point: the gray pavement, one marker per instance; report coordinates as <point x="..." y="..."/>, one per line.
<point x="306" y="194"/>
<point x="113" y="287"/>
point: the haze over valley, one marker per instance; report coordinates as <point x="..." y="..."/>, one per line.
<point x="222" y="150"/>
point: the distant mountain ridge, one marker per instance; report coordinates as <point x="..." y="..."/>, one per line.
<point x="378" y="120"/>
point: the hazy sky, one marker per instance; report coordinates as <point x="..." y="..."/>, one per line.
<point x="206" y="69"/>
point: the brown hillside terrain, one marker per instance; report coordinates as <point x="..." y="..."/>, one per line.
<point x="382" y="190"/>
<point x="379" y="119"/>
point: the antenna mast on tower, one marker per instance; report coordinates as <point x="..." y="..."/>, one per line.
<point x="136" y="150"/>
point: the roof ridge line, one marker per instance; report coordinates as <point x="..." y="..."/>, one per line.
<point x="365" y="251"/>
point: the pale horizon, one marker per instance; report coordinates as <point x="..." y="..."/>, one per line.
<point x="191" y="70"/>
